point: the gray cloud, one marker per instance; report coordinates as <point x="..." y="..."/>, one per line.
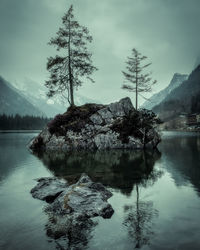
<point x="167" y="31"/>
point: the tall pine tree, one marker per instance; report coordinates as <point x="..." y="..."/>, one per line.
<point x="67" y="70"/>
<point x="139" y="80"/>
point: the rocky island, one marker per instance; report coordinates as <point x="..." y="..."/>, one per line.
<point x="97" y="126"/>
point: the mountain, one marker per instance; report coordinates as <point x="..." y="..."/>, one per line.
<point x="35" y="93"/>
<point x="12" y="103"/>
<point x="184" y="98"/>
<point x="157" y="98"/>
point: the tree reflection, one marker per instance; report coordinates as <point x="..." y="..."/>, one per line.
<point x="119" y="169"/>
<point x="140" y="216"/>
<point x="139" y="220"/>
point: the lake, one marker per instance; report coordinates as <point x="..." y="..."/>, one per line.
<point x="156" y="194"/>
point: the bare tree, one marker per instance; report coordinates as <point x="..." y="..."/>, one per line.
<point x="140" y="81"/>
<point x="67" y="70"/>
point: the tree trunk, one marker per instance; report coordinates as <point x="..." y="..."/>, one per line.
<point x="136" y="98"/>
<point x="71" y="87"/>
<point x="138" y="229"/>
<point x="136" y="90"/>
<point x="71" y="93"/>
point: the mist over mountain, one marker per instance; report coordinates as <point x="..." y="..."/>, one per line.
<point x="184" y="98"/>
<point x="12" y="102"/>
<point x="157" y="98"/>
<point x="35" y="93"/>
<point x="197" y="62"/>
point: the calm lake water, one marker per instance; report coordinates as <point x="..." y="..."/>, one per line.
<point x="156" y="195"/>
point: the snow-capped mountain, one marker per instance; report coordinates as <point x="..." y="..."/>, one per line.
<point x="157" y="98"/>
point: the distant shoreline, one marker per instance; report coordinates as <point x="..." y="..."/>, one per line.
<point x="20" y="131"/>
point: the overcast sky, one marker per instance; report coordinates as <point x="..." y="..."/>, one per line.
<point x="167" y="31"/>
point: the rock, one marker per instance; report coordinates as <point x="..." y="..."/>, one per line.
<point x="55" y="141"/>
<point x="73" y="207"/>
<point x="107" y="140"/>
<point x="154" y="139"/>
<point x="106" y="115"/>
<point x="85" y="198"/>
<point x="91" y="126"/>
<point x="96" y="119"/>
<point x="48" y="188"/>
<point x="121" y="108"/>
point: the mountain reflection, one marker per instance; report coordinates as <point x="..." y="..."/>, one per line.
<point x="118" y="169"/>
<point x="12" y="145"/>
<point x="183" y="159"/>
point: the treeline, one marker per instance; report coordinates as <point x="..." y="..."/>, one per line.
<point x="18" y="122"/>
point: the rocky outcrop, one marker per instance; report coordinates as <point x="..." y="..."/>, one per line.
<point x="92" y="126"/>
<point x="71" y="208"/>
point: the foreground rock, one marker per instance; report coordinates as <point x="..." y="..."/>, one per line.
<point x="71" y="208"/>
<point x="92" y="126"/>
<point x="48" y="188"/>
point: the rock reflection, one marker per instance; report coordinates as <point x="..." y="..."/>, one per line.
<point x="69" y="234"/>
<point x="118" y="169"/>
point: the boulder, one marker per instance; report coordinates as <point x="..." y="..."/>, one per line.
<point x="85" y="198"/>
<point x="106" y="115"/>
<point x="48" y="188"/>
<point x="96" y="119"/>
<point x="121" y="108"/>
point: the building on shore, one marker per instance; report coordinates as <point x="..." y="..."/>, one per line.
<point x="193" y="120"/>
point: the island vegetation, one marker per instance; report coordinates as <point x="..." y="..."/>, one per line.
<point x="138" y="79"/>
<point x="67" y="69"/>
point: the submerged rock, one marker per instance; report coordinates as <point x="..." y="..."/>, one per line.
<point x="92" y="126"/>
<point x="72" y="208"/>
